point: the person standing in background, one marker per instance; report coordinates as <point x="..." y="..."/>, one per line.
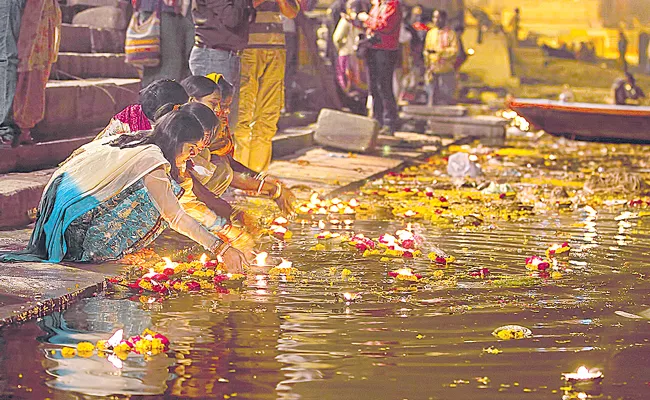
<point x="440" y="54"/>
<point x="10" y="14"/>
<point x="176" y="38"/>
<point x="38" y="49"/>
<point x="221" y="36"/>
<point x="622" y="49"/>
<point x="261" y="96"/>
<point x="291" y="44"/>
<point x="383" y="24"/>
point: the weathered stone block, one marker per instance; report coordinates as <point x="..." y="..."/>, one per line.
<point x="346" y="131"/>
<point x="92" y="65"/>
<point x="106" y="17"/>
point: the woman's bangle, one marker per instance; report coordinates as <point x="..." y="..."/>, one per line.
<point x="259" y="189"/>
<point x="278" y="191"/>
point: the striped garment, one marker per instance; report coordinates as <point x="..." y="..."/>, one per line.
<point x="142" y="45"/>
<point x="267" y="32"/>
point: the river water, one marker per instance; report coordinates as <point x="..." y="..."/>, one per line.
<point x="301" y="340"/>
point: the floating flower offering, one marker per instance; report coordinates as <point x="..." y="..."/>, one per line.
<point x="583" y="374"/>
<point x="509" y="332"/>
<point x="536" y="263"/>
<point x="118" y="349"/>
<point x="405" y="274"/>
<point x="556" y="249"/>
<point x="284" y="268"/>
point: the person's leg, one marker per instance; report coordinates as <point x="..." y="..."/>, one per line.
<point x="388" y="61"/>
<point x="187" y="28"/>
<point x="251" y="68"/>
<point x="291" y="46"/>
<point x="10" y="15"/>
<point x="206" y="61"/>
<point x="341" y="68"/>
<point x="29" y="102"/>
<point x="270" y="100"/>
<point x="172" y="39"/>
<point x="374" y="74"/>
<point x="447" y="88"/>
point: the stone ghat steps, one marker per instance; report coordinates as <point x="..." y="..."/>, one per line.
<point x="92" y="65"/>
<point x="87" y="39"/>
<point x="74" y="108"/>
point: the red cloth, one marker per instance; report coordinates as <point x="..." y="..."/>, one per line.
<point x="384" y="21"/>
<point x="134" y="116"/>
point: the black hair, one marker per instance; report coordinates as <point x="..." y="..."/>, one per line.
<point x="203" y="114"/>
<point x="159" y="93"/>
<point x="442" y="14"/>
<point x="170" y="133"/>
<point x="198" y="86"/>
<point x="356" y="6"/>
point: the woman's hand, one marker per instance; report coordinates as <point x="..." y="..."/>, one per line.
<point x="234" y="261"/>
<point x="248" y="222"/>
<point x="285" y="201"/>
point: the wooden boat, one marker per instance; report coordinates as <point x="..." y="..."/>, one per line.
<point x="587" y="121"/>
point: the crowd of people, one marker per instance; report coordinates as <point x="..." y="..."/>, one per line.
<point x="386" y="51"/>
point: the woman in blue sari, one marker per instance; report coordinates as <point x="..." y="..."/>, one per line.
<point x="114" y="196"/>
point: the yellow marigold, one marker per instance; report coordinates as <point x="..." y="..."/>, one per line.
<point x="68" y="352"/>
<point x="438" y="274"/>
<point x="148" y="332"/>
<point x="199" y="273"/>
<point x="238" y="277"/>
<point x="145" y="285"/>
<point x="142" y="346"/>
<point x="122" y="350"/>
<point x="206" y="285"/>
<point x="178" y="286"/>
<point x="157" y="346"/>
<point x="288" y="235"/>
<point x="556" y="275"/>
<point x="318" y="247"/>
<point x="102" y="345"/>
<point x="85" y="347"/>
<point x="345" y="273"/>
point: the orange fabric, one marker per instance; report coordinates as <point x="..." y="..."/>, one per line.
<point x="29" y="101"/>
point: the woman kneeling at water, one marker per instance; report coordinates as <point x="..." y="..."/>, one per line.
<point x="216" y="93"/>
<point x="114" y="196"/>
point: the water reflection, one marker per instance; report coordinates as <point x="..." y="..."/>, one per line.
<point x="302" y="340"/>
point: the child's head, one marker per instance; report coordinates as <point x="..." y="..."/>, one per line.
<point x="213" y="91"/>
<point x="160" y="93"/>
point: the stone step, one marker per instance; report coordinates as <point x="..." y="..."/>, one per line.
<point x="74" y="108"/>
<point x="86" y="39"/>
<point x="346" y="131"/>
<point x="92" y="65"/>
<point x="489" y="130"/>
<point x="427" y="111"/>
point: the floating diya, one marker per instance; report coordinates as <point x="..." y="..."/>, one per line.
<point x="348" y="222"/>
<point x="284" y="268"/>
<point x="405" y="274"/>
<point x="349" y="297"/>
<point x="583" y="376"/>
<point x="281" y="221"/>
<point x="354" y="203"/>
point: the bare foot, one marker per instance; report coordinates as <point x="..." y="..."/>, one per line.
<point x="25" y="138"/>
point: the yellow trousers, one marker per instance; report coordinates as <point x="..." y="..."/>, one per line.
<point x="261" y="98"/>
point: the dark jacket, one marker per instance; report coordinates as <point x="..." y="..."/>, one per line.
<point x="222" y="24"/>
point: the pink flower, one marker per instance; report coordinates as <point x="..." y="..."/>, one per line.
<point x="168" y="271"/>
<point x="193" y="286"/>
<point x="408" y="244"/>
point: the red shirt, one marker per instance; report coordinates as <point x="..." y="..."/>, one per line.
<point x="384" y="21"/>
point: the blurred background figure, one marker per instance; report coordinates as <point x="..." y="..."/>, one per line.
<point x="440" y="54"/>
<point x="10" y="14"/>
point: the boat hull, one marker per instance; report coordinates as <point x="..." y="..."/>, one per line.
<point x="584" y="121"/>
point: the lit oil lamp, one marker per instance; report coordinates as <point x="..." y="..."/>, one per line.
<point x="334" y="209"/>
<point x="335" y="222"/>
<point x="284" y="268"/>
<point x="313" y="199"/>
<point x="260" y="259"/>
<point x="582" y="375"/>
<point x="348" y="222"/>
<point x="321" y="224"/>
<point x="304" y="210"/>
<point x="322" y="211"/>
<point x="348" y="297"/>
<point x="280" y="221"/>
<point x="354" y="203"/>
<point x="410" y="214"/>
<point x="348" y="211"/>
<point x="203" y="259"/>
<point x="336" y="201"/>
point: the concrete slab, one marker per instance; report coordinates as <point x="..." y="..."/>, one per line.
<point x="92" y="65"/>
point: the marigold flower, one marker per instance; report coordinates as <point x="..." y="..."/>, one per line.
<point x="68" y="352"/>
